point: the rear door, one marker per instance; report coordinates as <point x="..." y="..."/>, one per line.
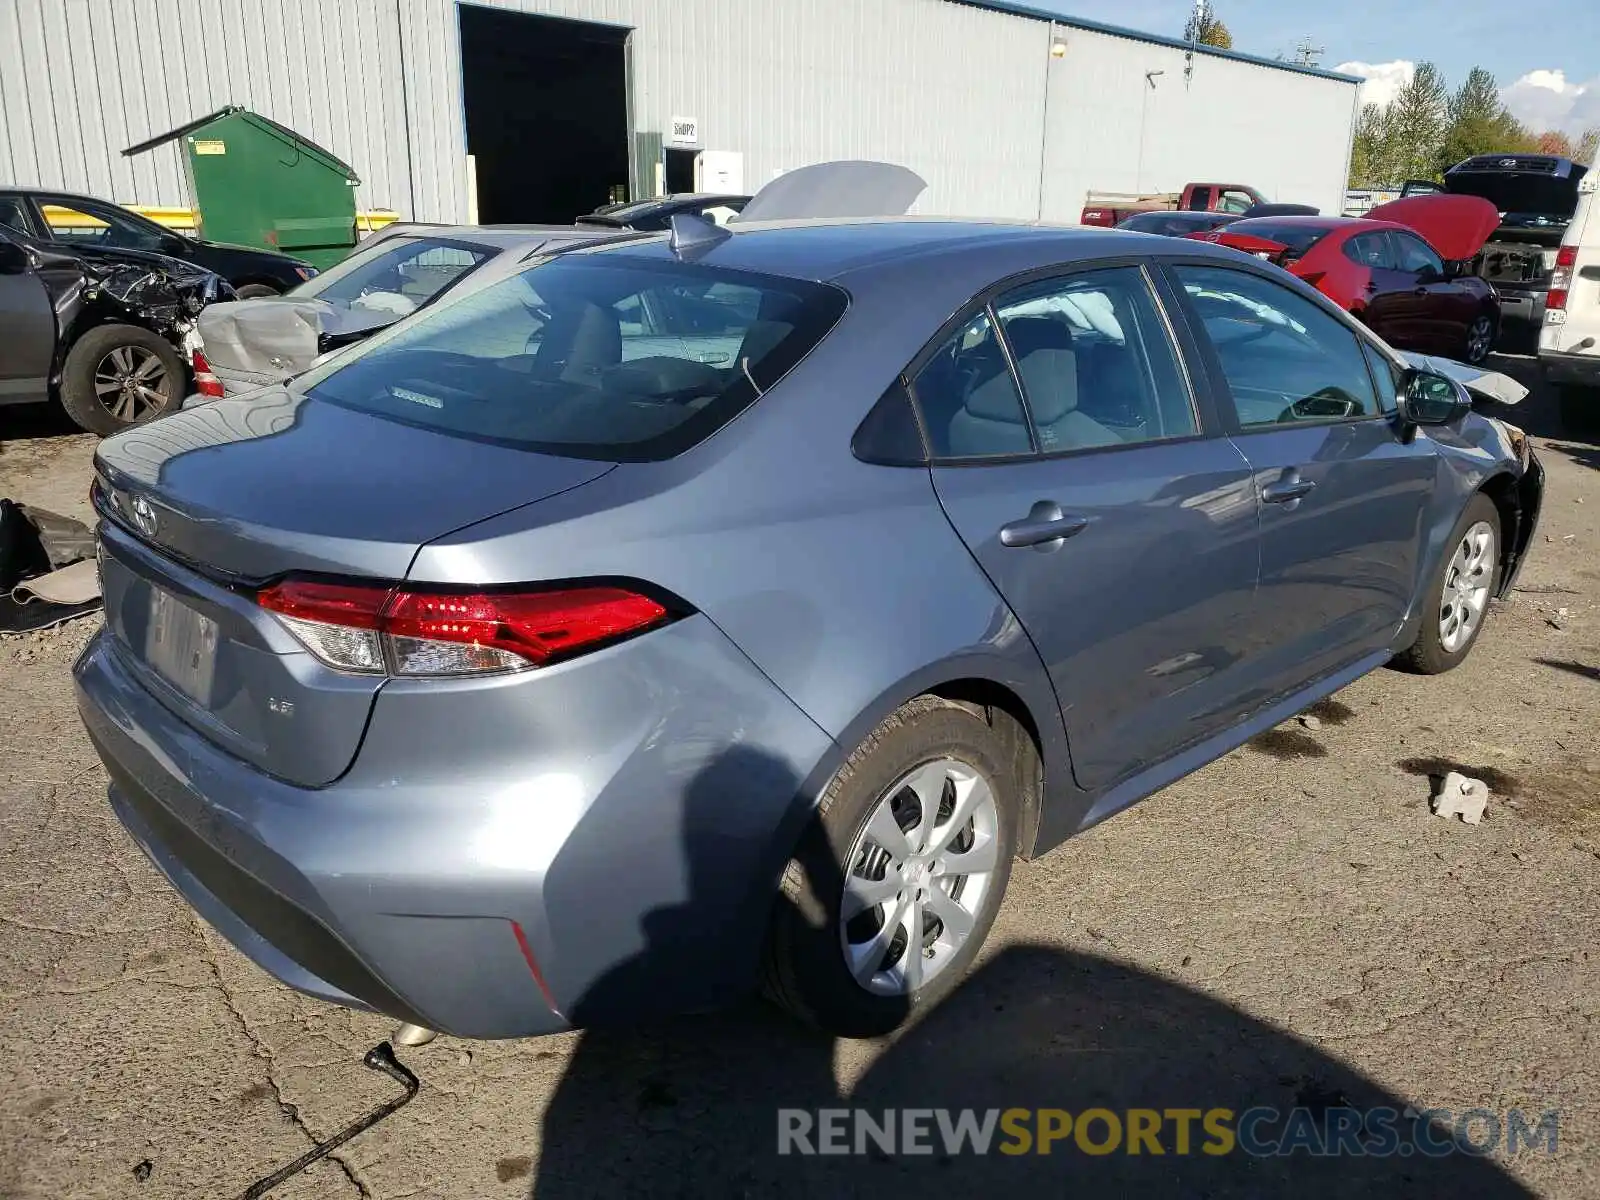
<point x="27" y="349"/>
<point x="1343" y="494"/>
<point x="1075" y="463"/>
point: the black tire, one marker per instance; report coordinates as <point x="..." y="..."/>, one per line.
<point x="1429" y="655"/>
<point x="92" y="356"/>
<point x="1481" y="355"/>
<point x="252" y="291"/>
<point x="1580" y="407"/>
<point x="805" y="970"/>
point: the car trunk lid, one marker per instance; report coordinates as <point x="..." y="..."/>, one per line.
<point x="185" y="550"/>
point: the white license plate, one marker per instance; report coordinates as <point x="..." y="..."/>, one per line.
<point x="181" y="645"/>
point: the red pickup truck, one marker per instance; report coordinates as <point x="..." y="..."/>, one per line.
<point x="1109" y="208"/>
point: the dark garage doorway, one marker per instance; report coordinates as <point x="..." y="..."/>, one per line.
<point x="546" y="105"/>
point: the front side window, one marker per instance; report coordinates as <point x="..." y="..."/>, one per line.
<point x="968" y="399"/>
<point x="1235" y="202"/>
<point x="589" y="356"/>
<point x="82" y="224"/>
<point x="1286" y="361"/>
<point x="1098" y="366"/>
<point x="1416" y="255"/>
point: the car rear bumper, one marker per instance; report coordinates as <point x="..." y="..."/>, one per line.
<point x="1582" y="370"/>
<point x="1521" y="307"/>
<point x="583" y="873"/>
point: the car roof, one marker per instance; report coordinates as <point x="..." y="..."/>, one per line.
<point x="827" y="249"/>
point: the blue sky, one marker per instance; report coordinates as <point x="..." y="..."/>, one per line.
<point x="1386" y="35"/>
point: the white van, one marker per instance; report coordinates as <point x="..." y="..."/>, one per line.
<point x="1569" y="340"/>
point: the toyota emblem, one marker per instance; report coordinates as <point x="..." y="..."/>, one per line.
<point x="1508" y="162"/>
<point x="144" y="516"/>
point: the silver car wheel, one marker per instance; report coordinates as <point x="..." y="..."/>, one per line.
<point x="131" y="382"/>
<point x="1479" y="335"/>
<point x="1466" y="587"/>
<point x="918" y="875"/>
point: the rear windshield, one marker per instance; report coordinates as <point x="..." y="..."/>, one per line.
<point x="399" y="275"/>
<point x="1299" y="238"/>
<point x="1173" y="224"/>
<point x="588" y="356"/>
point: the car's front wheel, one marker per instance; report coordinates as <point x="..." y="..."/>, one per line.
<point x="1458" y="601"/>
<point x="1480" y="339"/>
<point x="896" y="885"/>
<point x="120" y="375"/>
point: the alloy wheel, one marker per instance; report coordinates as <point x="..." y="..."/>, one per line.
<point x="917" y="877"/>
<point x="1466" y="587"/>
<point x="131" y="383"/>
<point x="1479" y="335"/>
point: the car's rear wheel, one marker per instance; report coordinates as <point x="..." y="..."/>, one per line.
<point x="252" y="291"/>
<point x="893" y="890"/>
<point x="1480" y="339"/>
<point x="1461" y="591"/>
<point x="120" y="375"/>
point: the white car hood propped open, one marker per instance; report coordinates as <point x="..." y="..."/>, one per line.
<point x="1486" y="385"/>
<point x="280" y="336"/>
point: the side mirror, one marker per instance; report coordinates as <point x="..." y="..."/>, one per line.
<point x="174" y="246"/>
<point x="1429" y="399"/>
<point x="14" y="259"/>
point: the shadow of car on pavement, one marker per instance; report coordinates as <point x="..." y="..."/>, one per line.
<point x="691" y="1106"/>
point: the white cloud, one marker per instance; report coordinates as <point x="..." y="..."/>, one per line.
<point x="1545" y="99"/>
<point x="1383" y="80"/>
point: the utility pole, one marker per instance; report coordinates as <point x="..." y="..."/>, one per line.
<point x="1308" y="54"/>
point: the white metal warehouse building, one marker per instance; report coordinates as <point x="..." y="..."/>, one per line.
<point x="1004" y="110"/>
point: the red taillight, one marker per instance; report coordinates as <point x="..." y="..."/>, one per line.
<point x="205" y="381"/>
<point x="374" y="629"/>
<point x="1561" y="278"/>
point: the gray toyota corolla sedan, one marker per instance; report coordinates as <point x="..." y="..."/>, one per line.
<point x="671" y="616"/>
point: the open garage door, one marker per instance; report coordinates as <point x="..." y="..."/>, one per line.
<point x="546" y="105"/>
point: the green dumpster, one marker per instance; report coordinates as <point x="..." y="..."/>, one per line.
<point x="257" y="183"/>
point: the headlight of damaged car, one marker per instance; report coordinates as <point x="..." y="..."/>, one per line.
<point x="306" y="272"/>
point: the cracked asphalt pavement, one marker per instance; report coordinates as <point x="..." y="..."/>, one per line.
<point x="1289" y="925"/>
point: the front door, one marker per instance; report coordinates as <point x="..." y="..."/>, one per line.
<point x="1343" y="494"/>
<point x="1123" y="540"/>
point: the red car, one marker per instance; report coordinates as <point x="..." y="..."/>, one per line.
<point x="1404" y="269"/>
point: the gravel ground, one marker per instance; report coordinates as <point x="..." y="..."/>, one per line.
<point x="1289" y="925"/>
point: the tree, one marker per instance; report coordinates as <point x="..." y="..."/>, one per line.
<point x="1417" y="119"/>
<point x="1205" y="27"/>
<point x="1587" y="145"/>
<point x="1370" y="151"/>
<point x="1478" y="123"/>
<point x="1553" y="141"/>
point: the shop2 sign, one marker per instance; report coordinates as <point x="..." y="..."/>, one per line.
<point x="684" y="131"/>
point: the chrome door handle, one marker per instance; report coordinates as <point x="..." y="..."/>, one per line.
<point x="1045" y="527"/>
<point x="1288" y="489"/>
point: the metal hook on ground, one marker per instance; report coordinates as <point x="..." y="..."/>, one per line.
<point x="379" y="1058"/>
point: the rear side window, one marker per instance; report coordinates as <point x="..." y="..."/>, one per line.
<point x="968" y="399"/>
<point x="588" y="356"/>
<point x="1370" y="250"/>
<point x="1286" y="361"/>
<point x="1098" y="367"/>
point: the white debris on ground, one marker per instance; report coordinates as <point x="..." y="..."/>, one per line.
<point x="1310" y="722"/>
<point x="1461" y="796"/>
